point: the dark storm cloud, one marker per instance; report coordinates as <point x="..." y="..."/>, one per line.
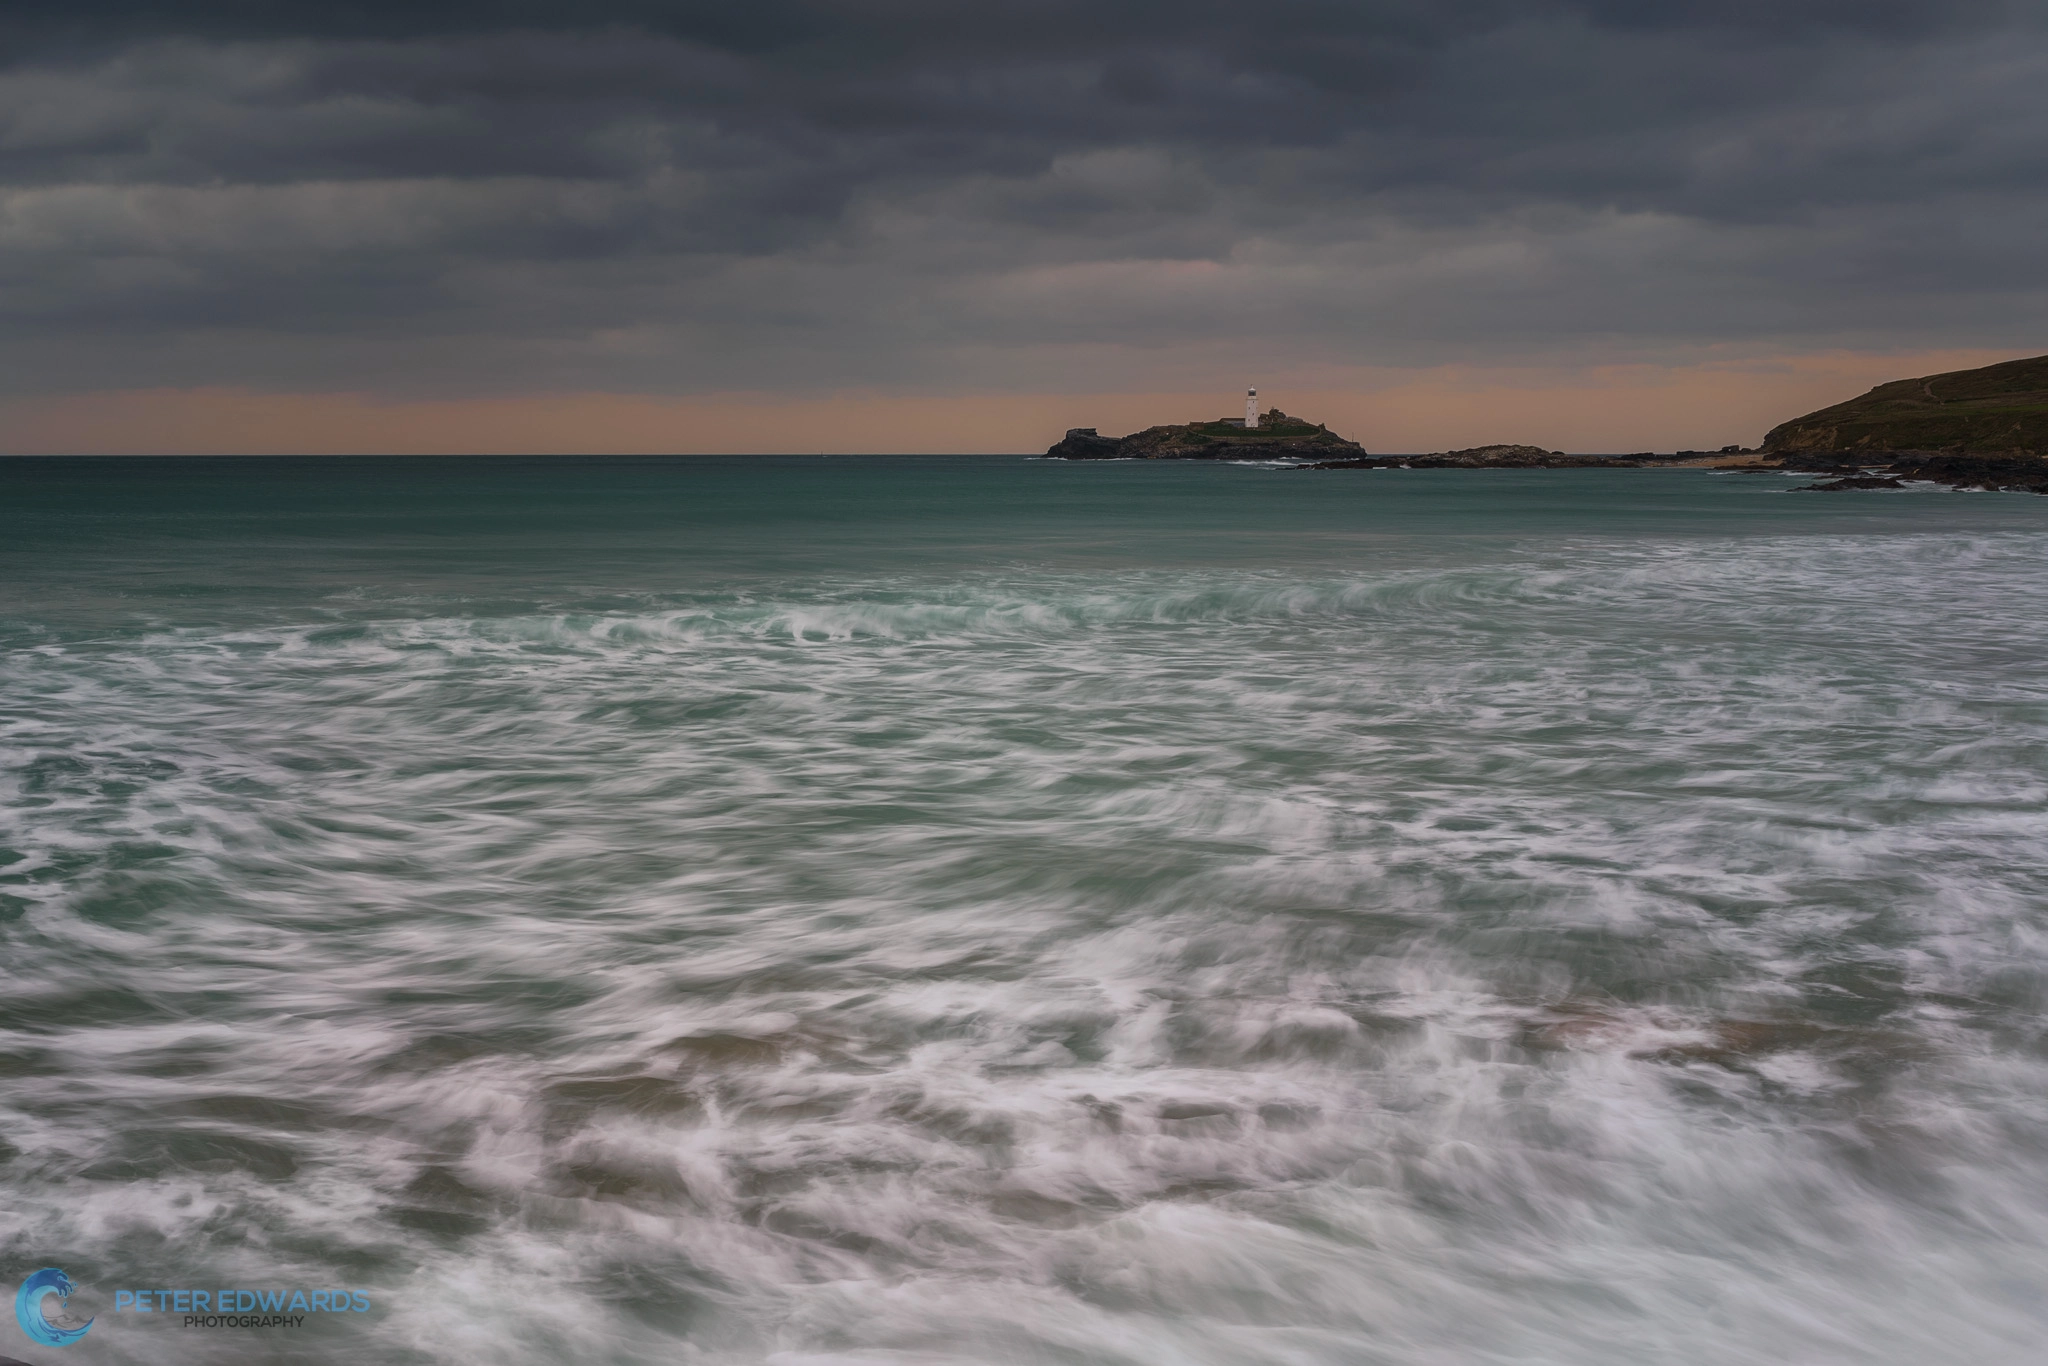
<point x="788" y="195"/>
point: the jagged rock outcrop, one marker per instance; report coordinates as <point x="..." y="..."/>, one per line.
<point x="1853" y="482"/>
<point x="1996" y="474"/>
<point x="1481" y="458"/>
<point x="1998" y="410"/>
<point x="1277" y="437"/>
<point x="1985" y="473"/>
<point x="1084" y="443"/>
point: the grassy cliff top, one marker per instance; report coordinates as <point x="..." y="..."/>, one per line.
<point x="1274" y="428"/>
<point x="1998" y="409"/>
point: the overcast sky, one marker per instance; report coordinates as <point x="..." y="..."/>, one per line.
<point x="840" y="201"/>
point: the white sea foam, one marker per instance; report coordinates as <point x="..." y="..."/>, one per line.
<point x="1617" y="954"/>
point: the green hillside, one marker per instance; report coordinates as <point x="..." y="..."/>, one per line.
<point x="1997" y="410"/>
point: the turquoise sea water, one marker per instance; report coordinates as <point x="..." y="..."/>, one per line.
<point x="918" y="910"/>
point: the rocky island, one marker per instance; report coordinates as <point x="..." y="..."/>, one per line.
<point x="1282" y="437"/>
<point x="1277" y="437"/>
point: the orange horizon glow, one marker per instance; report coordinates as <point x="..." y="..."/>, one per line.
<point x="1606" y="409"/>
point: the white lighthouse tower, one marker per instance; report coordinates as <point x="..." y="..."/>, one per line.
<point x="1251" y="409"/>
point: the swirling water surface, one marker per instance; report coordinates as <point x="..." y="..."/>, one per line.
<point x="917" y="911"/>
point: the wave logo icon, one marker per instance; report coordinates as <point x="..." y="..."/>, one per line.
<point x="28" y="1308"/>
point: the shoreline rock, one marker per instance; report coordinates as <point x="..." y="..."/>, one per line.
<point x="1483" y="458"/>
<point x="1855" y="482"/>
<point x="1883" y="469"/>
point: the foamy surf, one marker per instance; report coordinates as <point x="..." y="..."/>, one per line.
<point x="1587" y="948"/>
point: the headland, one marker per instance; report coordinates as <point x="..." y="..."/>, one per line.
<point x="1969" y="429"/>
<point x="1995" y="411"/>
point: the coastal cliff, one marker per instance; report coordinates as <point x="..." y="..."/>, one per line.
<point x="1998" y="410"/>
<point x="1277" y="437"/>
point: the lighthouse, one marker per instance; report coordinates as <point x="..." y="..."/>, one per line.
<point x="1251" y="409"/>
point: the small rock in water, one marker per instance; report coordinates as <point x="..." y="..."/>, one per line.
<point x="1874" y="481"/>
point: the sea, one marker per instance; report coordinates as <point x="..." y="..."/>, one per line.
<point x="908" y="911"/>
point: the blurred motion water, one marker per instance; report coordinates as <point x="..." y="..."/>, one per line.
<point x="891" y="910"/>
